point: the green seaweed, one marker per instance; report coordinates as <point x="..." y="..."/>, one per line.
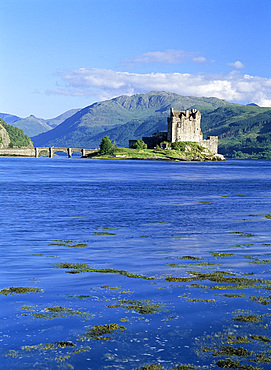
<point x="264" y="262"/>
<point x="240" y="282"/>
<point x="67" y="265"/>
<point x="222" y="254"/>
<point x="242" y="234"/>
<point x="110" y="271"/>
<point x="232" y="351"/>
<point x="56" y="347"/>
<point x="151" y="367"/>
<point x="230" y="364"/>
<point x="233" y="340"/>
<point x="80" y="296"/>
<point x="68" y="243"/>
<point x="260" y="338"/>
<point x="232" y="295"/>
<point x="261" y="299"/>
<point x="248" y="318"/>
<point x="98" y="332"/>
<point x="20" y="290"/>
<point x="59" y="311"/>
<point x="143" y="307"/>
<point x="179" y="279"/>
<point x="102" y="233"/>
<point x="262" y="359"/>
<point x="201" y="300"/>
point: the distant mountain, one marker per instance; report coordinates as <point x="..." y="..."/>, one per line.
<point x="9" y="118"/>
<point x="253" y="104"/>
<point x="53" y="122"/>
<point x="32" y="125"/>
<point x="122" y="118"/>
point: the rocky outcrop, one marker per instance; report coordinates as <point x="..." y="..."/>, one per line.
<point x="4" y="137"/>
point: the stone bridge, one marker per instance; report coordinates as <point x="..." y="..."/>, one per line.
<point x="52" y="150"/>
<point x="41" y="151"/>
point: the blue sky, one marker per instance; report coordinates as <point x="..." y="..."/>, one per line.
<point x="62" y="54"/>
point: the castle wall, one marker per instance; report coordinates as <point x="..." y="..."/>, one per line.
<point x="211" y="144"/>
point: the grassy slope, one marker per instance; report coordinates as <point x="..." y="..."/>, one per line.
<point x="243" y="131"/>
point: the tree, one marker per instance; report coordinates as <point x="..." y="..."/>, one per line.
<point x="139" y="144"/>
<point x="106" y="146"/>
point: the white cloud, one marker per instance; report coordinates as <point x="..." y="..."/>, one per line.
<point x="199" y="60"/>
<point x="171" y="56"/>
<point x="106" y="84"/>
<point x="237" y="65"/>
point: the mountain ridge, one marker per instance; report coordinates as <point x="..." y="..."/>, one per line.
<point x="244" y="131"/>
<point x="87" y="126"/>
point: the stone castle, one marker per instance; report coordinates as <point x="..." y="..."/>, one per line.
<point x="185" y="126"/>
<point x="182" y="126"/>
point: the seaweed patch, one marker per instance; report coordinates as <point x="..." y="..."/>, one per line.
<point x="68" y="243"/>
<point x="143" y="307"/>
<point x="98" y="332"/>
<point x="59" y="311"/>
<point x="221" y="254"/>
<point x="20" y="290"/>
<point x="80" y="268"/>
<point x="244" y="235"/>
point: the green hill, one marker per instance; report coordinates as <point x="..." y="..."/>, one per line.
<point x="141" y="114"/>
<point x="17" y="138"/>
<point x="243" y="131"/>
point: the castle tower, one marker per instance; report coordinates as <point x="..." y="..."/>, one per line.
<point x="184" y="126"/>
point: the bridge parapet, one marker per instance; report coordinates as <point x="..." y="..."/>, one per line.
<point x="50" y="151"/>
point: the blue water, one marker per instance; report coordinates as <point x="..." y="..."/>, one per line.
<point x="148" y="219"/>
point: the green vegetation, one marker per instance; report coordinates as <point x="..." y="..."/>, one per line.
<point x="139" y="144"/>
<point x="221" y="254"/>
<point x="143" y="307"/>
<point x="77" y="268"/>
<point x="58" y="311"/>
<point x="98" y="332"/>
<point x="106" y="146"/>
<point x="192" y="152"/>
<point x="103" y="233"/>
<point x="68" y="243"/>
<point x="16" y="136"/>
<point x="243" y="131"/>
<point x="20" y="290"/>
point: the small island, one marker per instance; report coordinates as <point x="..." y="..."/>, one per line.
<point x="183" y="141"/>
<point x="187" y="151"/>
